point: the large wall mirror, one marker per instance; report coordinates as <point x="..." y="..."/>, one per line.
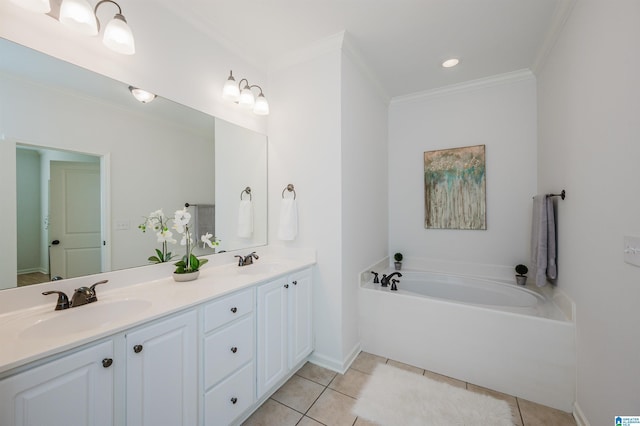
<point x="83" y="163"/>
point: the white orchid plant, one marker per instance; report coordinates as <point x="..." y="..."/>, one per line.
<point x="159" y="223"/>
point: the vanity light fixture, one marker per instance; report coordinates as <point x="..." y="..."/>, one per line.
<point x="449" y="63"/>
<point x="243" y="95"/>
<point x="81" y="17"/>
<point x="142" y="95"/>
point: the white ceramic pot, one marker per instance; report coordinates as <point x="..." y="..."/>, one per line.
<point x="189" y="276"/>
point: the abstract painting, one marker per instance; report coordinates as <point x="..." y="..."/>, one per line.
<point x="455" y="188"/>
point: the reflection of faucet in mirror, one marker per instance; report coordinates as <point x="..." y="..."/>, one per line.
<point x="81" y="296"/>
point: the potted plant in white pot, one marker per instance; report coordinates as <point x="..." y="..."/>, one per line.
<point x="398" y="261"/>
<point x="521" y="277"/>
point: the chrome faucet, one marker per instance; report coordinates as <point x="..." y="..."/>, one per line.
<point x="248" y="259"/>
<point x="384" y="281"/>
<point x="81" y="296"/>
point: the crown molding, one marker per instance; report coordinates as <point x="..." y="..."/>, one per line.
<point x="323" y="46"/>
<point x="482" y="83"/>
<point x="560" y="16"/>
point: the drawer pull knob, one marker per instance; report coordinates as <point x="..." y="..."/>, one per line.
<point x="234" y="309"/>
<point x="295" y="283"/>
<point x="106" y="363"/>
<point x="234" y="400"/>
<point x="234" y="349"/>
<point x="286" y="286"/>
<point x="137" y="349"/>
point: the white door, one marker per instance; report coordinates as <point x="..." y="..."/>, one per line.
<point x="162" y="373"/>
<point x="76" y="389"/>
<point x="272" y="338"/>
<point x="300" y="318"/>
<point x="74" y="219"/>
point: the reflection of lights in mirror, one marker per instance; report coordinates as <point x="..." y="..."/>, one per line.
<point x="159" y="155"/>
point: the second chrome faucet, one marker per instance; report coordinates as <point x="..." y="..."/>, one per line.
<point x="248" y="259"/>
<point x="81" y="296"/>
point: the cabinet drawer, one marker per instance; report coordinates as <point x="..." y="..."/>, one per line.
<point x="227" y="309"/>
<point x="227" y="349"/>
<point x="229" y="399"/>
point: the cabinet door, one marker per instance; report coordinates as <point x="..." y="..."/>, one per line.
<point x="272" y="329"/>
<point x="300" y="317"/>
<point x="162" y="373"/>
<point x="73" y="390"/>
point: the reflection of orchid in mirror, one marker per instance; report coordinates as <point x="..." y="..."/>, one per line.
<point x="159" y="223"/>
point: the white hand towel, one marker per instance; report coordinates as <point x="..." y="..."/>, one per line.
<point x="245" y="219"/>
<point x="288" y="220"/>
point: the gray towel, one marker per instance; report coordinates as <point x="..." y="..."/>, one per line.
<point x="543" y="240"/>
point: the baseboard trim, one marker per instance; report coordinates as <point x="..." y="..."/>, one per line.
<point x="581" y="420"/>
<point x="334" y="364"/>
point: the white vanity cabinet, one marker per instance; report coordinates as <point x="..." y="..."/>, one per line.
<point x="162" y="372"/>
<point x="76" y="389"/>
<point x="285" y="336"/>
<point x="228" y="357"/>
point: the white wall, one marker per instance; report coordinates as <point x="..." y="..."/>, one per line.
<point x="364" y="187"/>
<point x="499" y="113"/>
<point x="589" y="128"/>
<point x="304" y="150"/>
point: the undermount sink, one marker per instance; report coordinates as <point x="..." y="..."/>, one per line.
<point x="83" y="318"/>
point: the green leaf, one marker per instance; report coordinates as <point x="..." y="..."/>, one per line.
<point x="203" y="261"/>
<point x="154" y="259"/>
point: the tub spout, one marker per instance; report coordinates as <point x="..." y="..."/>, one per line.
<point x="384" y="281"/>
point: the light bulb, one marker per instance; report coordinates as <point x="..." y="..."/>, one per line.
<point x="118" y="36"/>
<point x="262" y="106"/>
<point x="78" y="15"/>
<point x="246" y="99"/>
<point x="142" y="95"/>
<point x="231" y="91"/>
<point x="451" y="63"/>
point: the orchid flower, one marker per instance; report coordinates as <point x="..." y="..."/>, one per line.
<point x="206" y="240"/>
<point x="166" y="236"/>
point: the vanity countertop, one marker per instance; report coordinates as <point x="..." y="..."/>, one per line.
<point x="35" y="332"/>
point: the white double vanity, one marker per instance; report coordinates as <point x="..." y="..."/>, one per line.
<point x="152" y="351"/>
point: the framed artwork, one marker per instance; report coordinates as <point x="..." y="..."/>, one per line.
<point x="455" y="188"/>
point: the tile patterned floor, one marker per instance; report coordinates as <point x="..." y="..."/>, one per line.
<point x="315" y="396"/>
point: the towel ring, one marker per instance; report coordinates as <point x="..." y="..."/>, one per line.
<point x="290" y="189"/>
<point x="247" y="190"/>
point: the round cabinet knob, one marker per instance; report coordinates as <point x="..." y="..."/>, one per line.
<point x="234" y="309"/>
<point x="137" y="349"/>
<point x="295" y="283"/>
<point x="234" y="349"/>
<point x="286" y="286"/>
<point x="234" y="400"/>
<point x="106" y="363"/>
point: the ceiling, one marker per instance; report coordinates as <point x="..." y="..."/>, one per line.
<point x="403" y="42"/>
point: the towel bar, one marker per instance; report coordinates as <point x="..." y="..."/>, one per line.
<point x="247" y="190"/>
<point x="290" y="189"/>
<point x="562" y="194"/>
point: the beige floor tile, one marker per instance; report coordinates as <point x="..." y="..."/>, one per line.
<point x="333" y="408"/>
<point x="362" y="422"/>
<point x="538" y="415"/>
<point x="272" y="413"/>
<point x="367" y="362"/>
<point x="511" y="400"/>
<point x="316" y="373"/>
<point x="298" y="393"/>
<point x="350" y="383"/>
<point x="445" y="379"/>
<point x="406" y="367"/>
<point x="308" y="421"/>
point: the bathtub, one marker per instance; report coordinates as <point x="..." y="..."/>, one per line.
<point x="486" y="332"/>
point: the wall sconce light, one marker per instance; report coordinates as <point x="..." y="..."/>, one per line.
<point x="142" y="95"/>
<point x="79" y="16"/>
<point x="242" y="95"/>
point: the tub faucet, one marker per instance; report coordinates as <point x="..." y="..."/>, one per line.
<point x="394" y="286"/>
<point x="384" y="281"/>
<point x="375" y="277"/>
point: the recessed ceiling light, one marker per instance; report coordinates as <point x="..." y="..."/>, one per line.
<point x="142" y="95"/>
<point x="450" y="63"/>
